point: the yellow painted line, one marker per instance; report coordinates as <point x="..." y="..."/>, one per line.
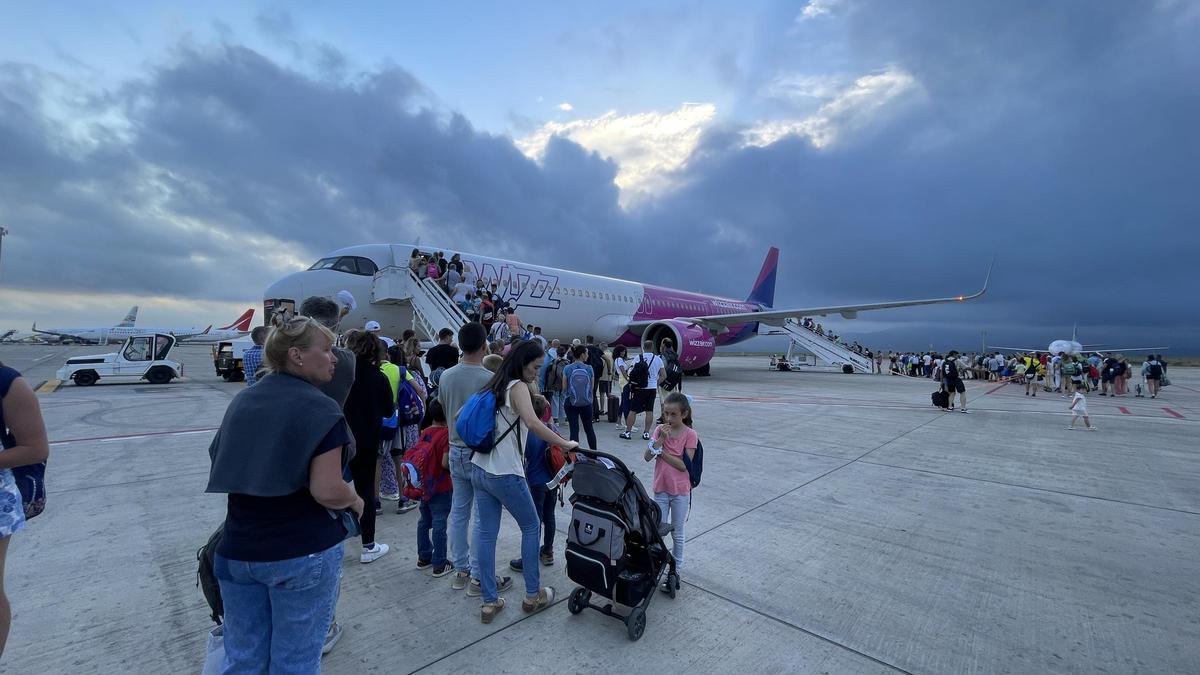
<point x="49" y="387"/>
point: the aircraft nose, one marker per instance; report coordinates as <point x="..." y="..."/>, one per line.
<point x="287" y="288"/>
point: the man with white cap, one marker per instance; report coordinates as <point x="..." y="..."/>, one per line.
<point x="374" y="327"/>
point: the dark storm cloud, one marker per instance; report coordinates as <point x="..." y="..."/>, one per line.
<point x="1060" y="139"/>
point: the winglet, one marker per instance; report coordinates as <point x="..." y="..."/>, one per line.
<point x="986" y="279"/>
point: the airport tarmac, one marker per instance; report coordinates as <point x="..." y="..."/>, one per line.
<point x="843" y="526"/>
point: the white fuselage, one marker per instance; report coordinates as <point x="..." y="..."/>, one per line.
<point x="565" y="304"/>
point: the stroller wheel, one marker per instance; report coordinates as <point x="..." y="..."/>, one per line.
<point x="635" y="623"/>
<point x="579" y="600"/>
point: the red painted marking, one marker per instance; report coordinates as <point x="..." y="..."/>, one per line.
<point x="151" y="433"/>
<point x="996" y="388"/>
<point x="1124" y="410"/>
<point x="1172" y="413"/>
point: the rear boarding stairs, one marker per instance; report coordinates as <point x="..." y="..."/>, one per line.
<point x="824" y="349"/>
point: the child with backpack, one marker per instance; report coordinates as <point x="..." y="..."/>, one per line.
<point x="427" y="481"/>
<point x="579" y="379"/>
<point x="673" y="447"/>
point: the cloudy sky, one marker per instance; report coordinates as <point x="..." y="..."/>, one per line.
<point x="182" y="158"/>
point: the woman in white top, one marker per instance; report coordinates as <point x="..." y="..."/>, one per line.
<point x="499" y="479"/>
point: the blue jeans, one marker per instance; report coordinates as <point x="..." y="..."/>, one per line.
<point x="556" y="405"/>
<point x="675" y="508"/>
<point x="576" y="413"/>
<point x="433" y="515"/>
<point x="277" y="613"/>
<point x="624" y="404"/>
<point x="512" y="493"/>
<point x="463" y="555"/>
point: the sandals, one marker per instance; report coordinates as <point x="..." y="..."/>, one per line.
<point x="544" y="599"/>
<point x="490" y="610"/>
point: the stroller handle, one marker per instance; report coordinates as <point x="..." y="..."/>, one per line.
<point x="596" y="454"/>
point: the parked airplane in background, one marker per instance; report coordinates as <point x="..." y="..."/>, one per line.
<point x="568" y="304"/>
<point x="117" y="333"/>
<point x="1073" y="348"/>
<point x="56" y="336"/>
<point x="233" y="331"/>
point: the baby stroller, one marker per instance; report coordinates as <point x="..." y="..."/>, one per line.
<point x="615" y="544"/>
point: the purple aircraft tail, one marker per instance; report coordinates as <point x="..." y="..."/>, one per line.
<point x="763" y="292"/>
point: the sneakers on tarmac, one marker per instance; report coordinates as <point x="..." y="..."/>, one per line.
<point x="460" y="581"/>
<point x="626" y="435"/>
<point x="375" y="552"/>
<point x="502" y="584"/>
<point x="405" y="507"/>
<point x="439" y="572"/>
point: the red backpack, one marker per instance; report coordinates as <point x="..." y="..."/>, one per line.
<point x="424" y="475"/>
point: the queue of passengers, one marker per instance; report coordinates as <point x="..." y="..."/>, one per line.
<point x="278" y="560"/>
<point x="1060" y="373"/>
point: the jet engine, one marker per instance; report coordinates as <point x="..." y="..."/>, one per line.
<point x="694" y="344"/>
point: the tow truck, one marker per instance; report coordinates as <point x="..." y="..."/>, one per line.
<point x="227" y="359"/>
<point x="142" y="357"/>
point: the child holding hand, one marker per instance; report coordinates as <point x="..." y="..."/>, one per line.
<point x="672" y="488"/>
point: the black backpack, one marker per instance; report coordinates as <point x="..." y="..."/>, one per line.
<point x="674" y="371"/>
<point x="595" y="360"/>
<point x="639" y="375"/>
<point x="1155" y="369"/>
<point x="695" y="465"/>
<point x="206" y="579"/>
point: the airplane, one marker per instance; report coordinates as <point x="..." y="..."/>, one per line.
<point x="55" y="337"/>
<point x="233" y="331"/>
<point x="569" y="304"/>
<point x="117" y="333"/>
<point x="1072" y="347"/>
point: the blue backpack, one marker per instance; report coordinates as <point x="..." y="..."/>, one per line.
<point x="476" y="423"/>
<point x="695" y="465"/>
<point x="579" y="387"/>
<point x="410" y="407"/>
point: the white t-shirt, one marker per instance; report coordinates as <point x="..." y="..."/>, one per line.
<point x="460" y="291"/>
<point x="928" y="359"/>
<point x="1080" y="402"/>
<point x="508" y="457"/>
<point x="656" y="364"/>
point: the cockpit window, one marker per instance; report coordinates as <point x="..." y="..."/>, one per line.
<point x="350" y="264"/>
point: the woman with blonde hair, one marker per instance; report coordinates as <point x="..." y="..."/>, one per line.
<point x="279" y="455"/>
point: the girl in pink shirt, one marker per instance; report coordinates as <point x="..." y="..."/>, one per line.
<point x="672" y="488"/>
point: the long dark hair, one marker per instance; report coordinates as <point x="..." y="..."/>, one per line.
<point x="513" y="368"/>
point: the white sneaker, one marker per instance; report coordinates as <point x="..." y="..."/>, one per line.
<point x="374" y="553"/>
<point x="392" y="497"/>
<point x="1071" y="428"/>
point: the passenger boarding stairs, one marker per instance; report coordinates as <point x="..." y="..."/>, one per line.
<point x="433" y="310"/>
<point x="825" y="349"/>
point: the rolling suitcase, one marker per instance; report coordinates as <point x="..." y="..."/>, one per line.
<point x="614" y="408"/>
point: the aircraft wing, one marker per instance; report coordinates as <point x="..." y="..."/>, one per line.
<point x="719" y="323"/>
<point x="60" y="335"/>
<point x="1016" y="349"/>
